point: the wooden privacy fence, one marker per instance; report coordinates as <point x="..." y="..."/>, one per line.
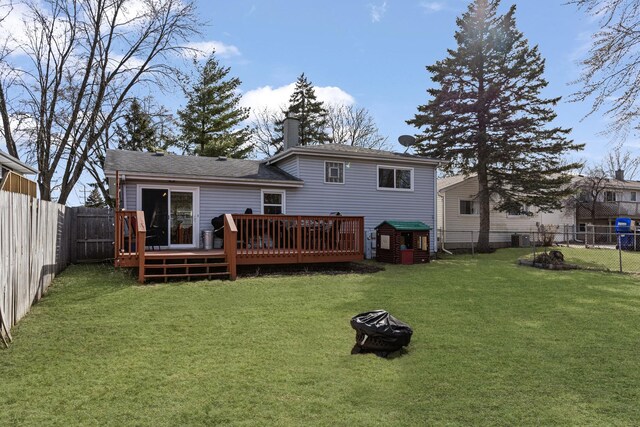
<point x="91" y="234"/>
<point x="34" y="247"/>
<point x="16" y="183"/>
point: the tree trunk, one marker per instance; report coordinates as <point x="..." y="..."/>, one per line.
<point x="45" y="190"/>
<point x="484" y="245"/>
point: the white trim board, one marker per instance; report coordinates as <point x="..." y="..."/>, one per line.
<point x="196" y="209"/>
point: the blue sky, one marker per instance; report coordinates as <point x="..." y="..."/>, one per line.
<point x="374" y="53"/>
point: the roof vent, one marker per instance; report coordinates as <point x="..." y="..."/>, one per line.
<point x="158" y="153"/>
<point x="222" y="158"/>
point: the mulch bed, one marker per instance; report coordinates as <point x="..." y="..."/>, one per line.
<point x="560" y="266"/>
<point x="305" y="269"/>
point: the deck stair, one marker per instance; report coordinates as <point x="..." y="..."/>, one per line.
<point x="165" y="265"/>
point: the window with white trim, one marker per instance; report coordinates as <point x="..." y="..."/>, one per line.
<point x="610" y="196"/>
<point x="334" y="172"/>
<point x="469" y="207"/>
<point x="273" y="202"/>
<point x="395" y="178"/>
<point x="520" y="211"/>
<point x="633" y="196"/>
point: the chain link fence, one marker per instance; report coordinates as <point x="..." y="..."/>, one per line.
<point x="591" y="247"/>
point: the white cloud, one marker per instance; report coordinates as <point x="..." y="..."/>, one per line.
<point x="276" y="99"/>
<point x="132" y="12"/>
<point x="131" y="64"/>
<point x="203" y="49"/>
<point x="584" y="43"/>
<point x="432" y="6"/>
<point x="14" y="25"/>
<point x="377" y="11"/>
<point x="333" y="95"/>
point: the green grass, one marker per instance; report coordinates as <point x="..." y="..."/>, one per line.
<point x="599" y="259"/>
<point x="494" y="343"/>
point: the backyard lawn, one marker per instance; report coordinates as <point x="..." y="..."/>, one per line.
<point x="494" y="343"/>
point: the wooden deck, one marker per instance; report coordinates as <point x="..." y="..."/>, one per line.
<point x="248" y="240"/>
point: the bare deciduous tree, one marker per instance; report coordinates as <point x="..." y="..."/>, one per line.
<point x="619" y="158"/>
<point x="72" y="68"/>
<point x="588" y="190"/>
<point x="611" y="71"/>
<point x="351" y="125"/>
<point x="264" y="131"/>
<point x="162" y="122"/>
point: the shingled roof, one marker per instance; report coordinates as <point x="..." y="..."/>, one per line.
<point x="343" y="150"/>
<point x="173" y="165"/>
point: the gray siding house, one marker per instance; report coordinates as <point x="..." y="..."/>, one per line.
<point x="188" y="191"/>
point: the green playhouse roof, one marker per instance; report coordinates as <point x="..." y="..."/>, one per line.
<point x="407" y="225"/>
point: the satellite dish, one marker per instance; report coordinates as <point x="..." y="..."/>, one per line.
<point x="407" y="140"/>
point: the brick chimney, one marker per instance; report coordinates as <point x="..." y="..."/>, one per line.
<point x="291" y="127"/>
<point x="620" y="175"/>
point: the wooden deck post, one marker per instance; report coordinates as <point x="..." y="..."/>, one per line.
<point x="362" y="239"/>
<point x="299" y="240"/>
<point x="117" y="223"/>
<point x="141" y="241"/>
<point x="230" y="245"/>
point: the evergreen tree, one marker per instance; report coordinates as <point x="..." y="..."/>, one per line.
<point x="95" y="200"/>
<point x="212" y="119"/>
<point x="138" y="132"/>
<point x="304" y="105"/>
<point x="487" y="117"/>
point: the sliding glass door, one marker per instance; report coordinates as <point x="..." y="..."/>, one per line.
<point x="155" y="204"/>
<point x="171" y="216"/>
<point x="181" y="218"/>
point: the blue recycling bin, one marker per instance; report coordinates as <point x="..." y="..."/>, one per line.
<point x="625" y="233"/>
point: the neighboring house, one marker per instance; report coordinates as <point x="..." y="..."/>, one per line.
<point x="12" y="176"/>
<point x="188" y="191"/>
<point x="459" y="216"/>
<point x="616" y="197"/>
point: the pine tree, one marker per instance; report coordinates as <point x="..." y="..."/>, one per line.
<point x="487" y="117"/>
<point x="94" y="199"/>
<point x="212" y="119"/>
<point x="137" y="133"/>
<point x="304" y="105"/>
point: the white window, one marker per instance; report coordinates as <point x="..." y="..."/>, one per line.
<point x="522" y="211"/>
<point x="395" y="178"/>
<point x="633" y="196"/>
<point x="610" y="196"/>
<point x="469" y="207"/>
<point x="334" y="172"/>
<point x="273" y="202"/>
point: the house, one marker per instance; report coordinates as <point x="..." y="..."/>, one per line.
<point x="322" y="184"/>
<point x="12" y="176"/>
<point x="614" y="197"/>
<point x="459" y="216"/>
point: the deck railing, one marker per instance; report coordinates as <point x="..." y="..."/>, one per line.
<point x="130" y="238"/>
<point x="257" y="239"/>
<point x="274" y="239"/>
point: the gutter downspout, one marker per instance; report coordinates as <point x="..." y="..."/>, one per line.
<point x="444" y="220"/>
<point x="436" y="194"/>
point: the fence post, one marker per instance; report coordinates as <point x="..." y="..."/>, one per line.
<point x="472" y="251"/>
<point x="533" y="244"/>
<point x="620" y="252"/>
